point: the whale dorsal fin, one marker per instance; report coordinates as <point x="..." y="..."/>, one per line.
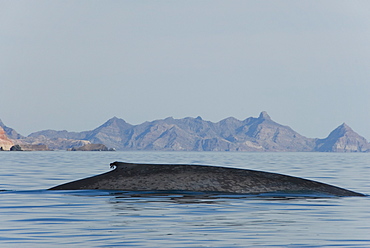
<point x="118" y="164"/>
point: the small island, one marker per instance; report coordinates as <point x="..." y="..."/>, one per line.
<point x="92" y="147"/>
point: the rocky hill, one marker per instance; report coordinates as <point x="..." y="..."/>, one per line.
<point x="10" y="132"/>
<point x="343" y="139"/>
<point x="196" y="134"/>
<point x="52" y="140"/>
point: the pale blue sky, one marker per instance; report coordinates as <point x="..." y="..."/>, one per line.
<point x="74" y="64"/>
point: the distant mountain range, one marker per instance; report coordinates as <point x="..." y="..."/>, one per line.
<point x="195" y="134"/>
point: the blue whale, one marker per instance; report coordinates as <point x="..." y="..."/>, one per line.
<point x="199" y="178"/>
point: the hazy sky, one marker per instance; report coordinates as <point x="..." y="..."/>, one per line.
<point x="74" y="64"/>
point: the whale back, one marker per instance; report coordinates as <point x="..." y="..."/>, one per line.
<point x="198" y="178"/>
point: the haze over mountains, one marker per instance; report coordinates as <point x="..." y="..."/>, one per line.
<point x="196" y="134"/>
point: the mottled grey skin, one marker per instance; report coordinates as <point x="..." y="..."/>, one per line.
<point x="198" y="178"/>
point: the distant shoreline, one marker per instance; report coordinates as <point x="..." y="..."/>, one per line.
<point x="260" y="134"/>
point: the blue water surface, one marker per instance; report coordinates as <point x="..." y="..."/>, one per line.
<point x="32" y="216"/>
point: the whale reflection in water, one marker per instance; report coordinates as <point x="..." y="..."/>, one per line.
<point x="199" y="178"/>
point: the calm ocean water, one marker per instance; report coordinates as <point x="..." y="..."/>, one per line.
<point x="31" y="216"/>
